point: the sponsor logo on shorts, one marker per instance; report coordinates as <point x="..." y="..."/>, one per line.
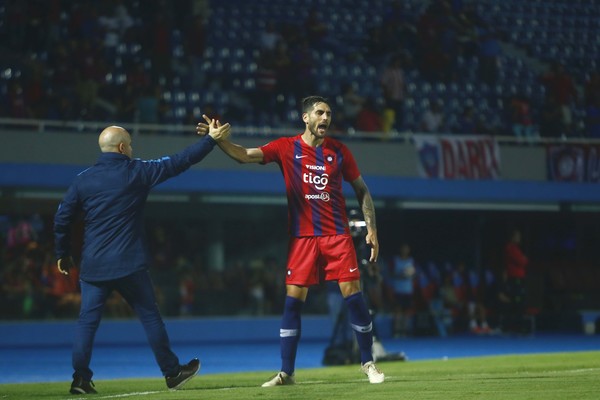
<point x="322" y="196"/>
<point x="353" y="269"/>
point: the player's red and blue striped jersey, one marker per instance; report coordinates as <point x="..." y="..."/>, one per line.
<point x="313" y="179"/>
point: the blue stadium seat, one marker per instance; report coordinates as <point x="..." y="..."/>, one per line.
<point x="179" y="97"/>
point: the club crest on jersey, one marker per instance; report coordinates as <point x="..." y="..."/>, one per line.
<point x="329" y="158"/>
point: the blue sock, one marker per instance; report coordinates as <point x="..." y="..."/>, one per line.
<point x="361" y="322"/>
<point x="289" y="333"/>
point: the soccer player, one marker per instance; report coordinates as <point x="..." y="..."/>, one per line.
<point x="313" y="166"/>
<point x="111" y="196"/>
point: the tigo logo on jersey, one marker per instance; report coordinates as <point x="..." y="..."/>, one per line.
<point x="320" y="181"/>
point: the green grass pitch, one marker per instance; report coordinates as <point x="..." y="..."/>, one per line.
<point x="564" y="376"/>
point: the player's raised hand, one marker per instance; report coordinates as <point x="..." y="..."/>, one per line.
<point x="65" y="264"/>
<point x="216" y="130"/>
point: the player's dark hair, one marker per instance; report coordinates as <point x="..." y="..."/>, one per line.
<point x="309" y="102"/>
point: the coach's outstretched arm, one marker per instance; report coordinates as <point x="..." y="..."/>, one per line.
<point x="235" y="151"/>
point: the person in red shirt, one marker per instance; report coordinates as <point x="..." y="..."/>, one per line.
<point x="515" y="271"/>
<point x="368" y="119"/>
<point x="516" y="260"/>
<point x="314" y="166"/>
<point x="559" y="84"/>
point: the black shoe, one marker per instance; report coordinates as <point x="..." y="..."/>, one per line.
<point x="186" y="373"/>
<point x="81" y="386"/>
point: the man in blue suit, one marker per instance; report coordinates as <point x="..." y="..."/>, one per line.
<point x="111" y="196"/>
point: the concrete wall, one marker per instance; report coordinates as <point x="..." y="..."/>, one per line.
<point x="391" y="159"/>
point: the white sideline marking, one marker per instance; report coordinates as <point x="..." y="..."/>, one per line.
<point x="575" y="371"/>
<point x="116" y="396"/>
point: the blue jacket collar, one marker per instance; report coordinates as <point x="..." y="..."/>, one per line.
<point x="112" y="156"/>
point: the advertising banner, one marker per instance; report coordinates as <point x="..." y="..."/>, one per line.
<point x="457" y="156"/>
<point x="574" y="163"/>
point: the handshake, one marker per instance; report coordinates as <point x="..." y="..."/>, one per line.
<point x="214" y="129"/>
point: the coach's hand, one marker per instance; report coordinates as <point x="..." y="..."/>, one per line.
<point x="65" y="265"/>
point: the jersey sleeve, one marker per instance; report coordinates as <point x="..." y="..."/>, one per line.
<point x="350" y="169"/>
<point x="272" y="151"/>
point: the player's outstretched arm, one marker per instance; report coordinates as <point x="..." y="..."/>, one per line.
<point x="368" y="209"/>
<point x="235" y="151"/>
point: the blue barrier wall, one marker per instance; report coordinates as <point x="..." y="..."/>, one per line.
<point x="60" y="333"/>
<point x="271" y="183"/>
<point x="197" y="330"/>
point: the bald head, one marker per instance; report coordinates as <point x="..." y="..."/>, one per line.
<point x="115" y="139"/>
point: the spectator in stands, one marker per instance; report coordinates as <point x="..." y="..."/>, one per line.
<point x="433" y="119"/>
<point x="148" y="106"/>
<point x="17" y="104"/>
<point x="451" y="305"/>
<point x="559" y="84"/>
<point x="352" y="104"/>
<point x="114" y="21"/>
<point x="368" y="118"/>
<point x="402" y="273"/>
<point x="515" y="268"/>
<point x="393" y="86"/>
<point x="476" y="309"/>
<point x="269" y="37"/>
<point x="521" y="119"/>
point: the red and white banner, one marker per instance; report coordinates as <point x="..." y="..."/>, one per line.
<point x="574" y="163"/>
<point x="457" y="156"/>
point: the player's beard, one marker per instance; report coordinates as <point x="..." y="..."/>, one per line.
<point x="316" y="132"/>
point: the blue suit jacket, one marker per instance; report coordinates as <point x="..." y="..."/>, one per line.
<point x="111" y="196"/>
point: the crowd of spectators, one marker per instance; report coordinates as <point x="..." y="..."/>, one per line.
<point x="120" y="60"/>
<point x="31" y="286"/>
<point x="446" y="295"/>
